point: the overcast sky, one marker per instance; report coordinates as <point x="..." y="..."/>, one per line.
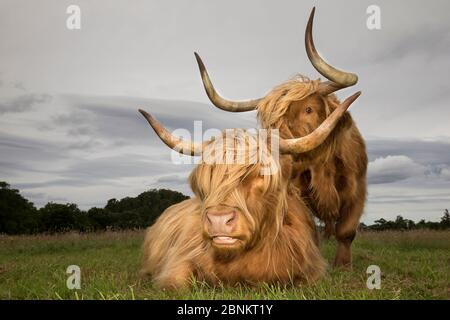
<point x="70" y="132"/>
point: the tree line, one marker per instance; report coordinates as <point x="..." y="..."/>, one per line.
<point x="401" y="223"/>
<point x="20" y="216"/>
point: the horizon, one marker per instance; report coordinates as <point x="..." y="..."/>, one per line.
<point x="317" y="221"/>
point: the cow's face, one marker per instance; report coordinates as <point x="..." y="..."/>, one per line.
<point x="237" y="203"/>
<point x="305" y="115"/>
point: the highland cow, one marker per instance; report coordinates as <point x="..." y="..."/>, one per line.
<point x="332" y="177"/>
<point x="242" y="226"/>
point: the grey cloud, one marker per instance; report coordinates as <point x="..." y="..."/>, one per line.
<point x="29" y="150"/>
<point x="16" y="168"/>
<point x="429" y="41"/>
<point x="115" y="121"/>
<point x="173" y="178"/>
<point x="109" y="168"/>
<point x="23" y="156"/>
<point x="34" y="195"/>
<point x="57" y="199"/>
<point x="19" y="85"/>
<point x="395" y="159"/>
<point x="411" y="199"/>
<point x="393" y="168"/>
<point x="23" y="103"/>
<point x="80" y="131"/>
<point x="54" y="183"/>
<point x="421" y="151"/>
<point x="78" y="117"/>
<point x="10" y="143"/>
<point x="445" y="173"/>
<point x="84" y="145"/>
<point x="77" y="123"/>
<point x="171" y="113"/>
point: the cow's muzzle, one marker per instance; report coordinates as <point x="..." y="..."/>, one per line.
<point x="221" y="223"/>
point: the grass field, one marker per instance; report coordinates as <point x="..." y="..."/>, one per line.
<point x="414" y="265"/>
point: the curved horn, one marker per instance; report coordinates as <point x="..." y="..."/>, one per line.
<point x="340" y="78"/>
<point x="315" y="138"/>
<point x="184" y="147"/>
<point x="328" y="87"/>
<point x="217" y="100"/>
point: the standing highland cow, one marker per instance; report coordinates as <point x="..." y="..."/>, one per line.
<point x="242" y="225"/>
<point x="332" y="177"/>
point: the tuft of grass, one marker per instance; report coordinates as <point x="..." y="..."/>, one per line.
<point x="414" y="265"/>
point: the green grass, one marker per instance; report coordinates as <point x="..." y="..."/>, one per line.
<point x="414" y="265"/>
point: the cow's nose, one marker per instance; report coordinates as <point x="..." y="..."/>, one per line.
<point x="221" y="222"/>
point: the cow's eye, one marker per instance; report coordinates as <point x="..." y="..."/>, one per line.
<point x="308" y="110"/>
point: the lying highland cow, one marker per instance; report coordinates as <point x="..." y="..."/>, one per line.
<point x="332" y="177"/>
<point x="242" y="225"/>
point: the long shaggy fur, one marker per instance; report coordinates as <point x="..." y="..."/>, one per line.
<point x="273" y="107"/>
<point x="283" y="245"/>
<point x="332" y="177"/>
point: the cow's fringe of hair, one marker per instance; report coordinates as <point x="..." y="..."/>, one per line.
<point x="213" y="185"/>
<point x="275" y="104"/>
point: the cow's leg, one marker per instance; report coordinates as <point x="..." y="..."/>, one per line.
<point x="329" y="229"/>
<point x="346" y="228"/>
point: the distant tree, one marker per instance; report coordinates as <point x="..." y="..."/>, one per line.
<point x="380" y="224"/>
<point x="143" y="210"/>
<point x="111" y="204"/>
<point x="445" y="220"/>
<point x="57" y="217"/>
<point x="17" y="214"/>
<point x="4" y="185"/>
<point x="363" y="226"/>
<point x="82" y="222"/>
<point x="421" y="224"/>
<point x="410" y="224"/>
<point x="100" y="219"/>
<point x="401" y="223"/>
